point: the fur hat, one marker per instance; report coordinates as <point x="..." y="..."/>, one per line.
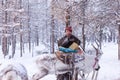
<point x="69" y="28"/>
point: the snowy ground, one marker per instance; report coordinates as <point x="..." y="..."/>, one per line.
<point x="110" y="66"/>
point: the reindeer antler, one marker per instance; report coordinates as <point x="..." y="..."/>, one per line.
<point x="96" y="41"/>
<point x="94" y="47"/>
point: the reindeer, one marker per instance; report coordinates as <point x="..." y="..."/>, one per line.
<point x="49" y="63"/>
<point x="12" y="71"/>
<point x="92" y="62"/>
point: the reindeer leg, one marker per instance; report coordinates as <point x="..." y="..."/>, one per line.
<point x="40" y="75"/>
<point x="93" y="75"/>
<point x="97" y="70"/>
<point x="82" y="75"/>
<point x="96" y="75"/>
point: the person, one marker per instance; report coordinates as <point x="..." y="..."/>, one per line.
<point x="69" y="42"/>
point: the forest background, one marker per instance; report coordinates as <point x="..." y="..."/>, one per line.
<point x="32" y="22"/>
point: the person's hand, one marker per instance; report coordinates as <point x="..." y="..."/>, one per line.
<point x="80" y="51"/>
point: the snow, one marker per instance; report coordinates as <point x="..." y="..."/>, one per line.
<point x="110" y="69"/>
<point x="109" y="62"/>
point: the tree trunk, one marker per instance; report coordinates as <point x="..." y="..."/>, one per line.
<point x="29" y="39"/>
<point x="46" y="23"/>
<point x="37" y="36"/>
<point x="4" y="39"/>
<point x="21" y="45"/>
<point x="83" y="36"/>
<point x="119" y="43"/>
<point x="83" y="28"/>
<point x="4" y="46"/>
<point x="29" y="29"/>
<point x="100" y="39"/>
<point x="21" y="34"/>
<point x="52" y="35"/>
<point x="13" y="45"/>
<point x="68" y="17"/>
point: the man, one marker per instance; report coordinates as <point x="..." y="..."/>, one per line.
<point x="69" y="42"/>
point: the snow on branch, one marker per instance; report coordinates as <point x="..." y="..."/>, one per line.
<point x="5" y="35"/>
<point x="2" y="28"/>
<point x="12" y="24"/>
<point x="117" y="15"/>
<point x="16" y="10"/>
